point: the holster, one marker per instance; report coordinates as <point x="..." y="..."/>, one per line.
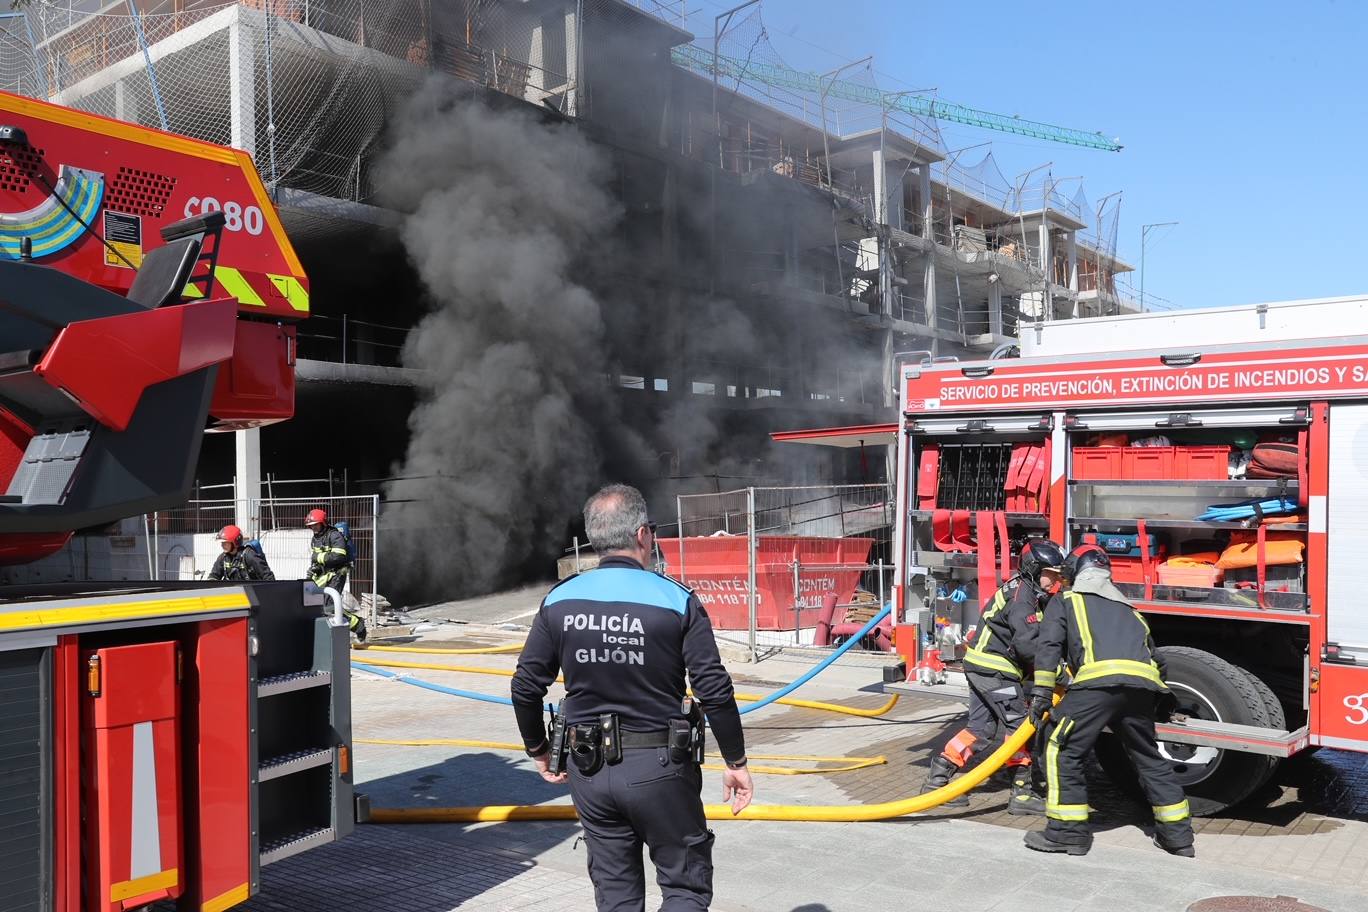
<point x="686" y="735"/>
<point x="586" y="747"/>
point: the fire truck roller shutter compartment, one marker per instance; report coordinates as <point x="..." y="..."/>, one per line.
<point x="1343" y="692"/>
<point x="24" y="838"/>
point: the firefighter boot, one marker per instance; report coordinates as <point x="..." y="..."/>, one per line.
<point x="1037" y="840"/>
<point x="358" y="627"/>
<point x="941" y="771"/>
<point x="1024" y="800"/>
<point x="1186" y="851"/>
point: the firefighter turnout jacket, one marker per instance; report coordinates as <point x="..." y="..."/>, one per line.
<point x="624" y="637"/>
<point x="243" y="565"/>
<point x="1007" y="639"/>
<point x="1101" y="642"/>
<point x="329" y="558"/>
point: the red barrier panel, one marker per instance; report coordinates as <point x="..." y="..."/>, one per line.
<point x="715" y="567"/>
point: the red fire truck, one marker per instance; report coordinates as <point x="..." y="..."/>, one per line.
<point x="158" y="741"/>
<point x="1229" y="481"/>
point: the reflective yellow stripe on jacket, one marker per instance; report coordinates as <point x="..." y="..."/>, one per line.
<point x="1093" y="669"/>
<point x="978" y="654"/>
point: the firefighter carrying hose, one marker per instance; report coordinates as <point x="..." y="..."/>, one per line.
<point x="995" y="666"/>
<point x="1117" y="682"/>
<point x="330" y="564"/>
<point x="238" y="563"/>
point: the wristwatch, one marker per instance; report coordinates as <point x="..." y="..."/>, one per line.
<point x="739" y="764"/>
<point x="541" y="750"/>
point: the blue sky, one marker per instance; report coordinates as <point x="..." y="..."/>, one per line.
<point x="1244" y="122"/>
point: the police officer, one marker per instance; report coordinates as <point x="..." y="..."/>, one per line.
<point x="1117" y="681"/>
<point x="238" y="563"/>
<point x="330" y="564"/>
<point x="1003" y="652"/>
<point x="625" y="637"/>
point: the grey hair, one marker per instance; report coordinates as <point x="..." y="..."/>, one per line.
<point x="613" y="516"/>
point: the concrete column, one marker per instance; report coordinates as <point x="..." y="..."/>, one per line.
<point x="888" y="208"/>
<point x="924" y="189"/>
<point x="242" y="86"/>
<point x="1047" y="266"/>
<point x="1072" y="247"/>
<point x="536" y="63"/>
<point x="929" y="291"/>
<point x="572" y="64"/>
<point x="247" y="481"/>
<point x="995" y="308"/>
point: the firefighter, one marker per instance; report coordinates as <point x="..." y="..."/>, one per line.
<point x="1003" y="653"/>
<point x="238" y="563"/>
<point x="330" y="564"/>
<point x="1117" y="682"/>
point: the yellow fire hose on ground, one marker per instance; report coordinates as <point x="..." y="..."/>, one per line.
<point x="870" y="713"/>
<point x="433" y="650"/>
<point x="848" y="764"/>
<point x="835" y="813"/>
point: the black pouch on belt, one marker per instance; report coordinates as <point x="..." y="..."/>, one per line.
<point x="586" y="747"/>
<point x="612" y="744"/>
<point x="681" y="740"/>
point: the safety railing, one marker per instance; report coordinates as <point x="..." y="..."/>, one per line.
<point x="770" y="563"/>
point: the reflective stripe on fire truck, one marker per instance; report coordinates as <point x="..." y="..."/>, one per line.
<point x="292" y="290"/>
<point x="81" y="611"/>
<point x="144" y="844"/>
<point x="237" y="286"/>
<point x="239" y="894"/>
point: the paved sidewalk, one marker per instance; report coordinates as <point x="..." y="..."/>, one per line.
<point x="1306" y="838"/>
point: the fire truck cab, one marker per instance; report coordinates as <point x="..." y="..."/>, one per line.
<point x="1221" y="457"/>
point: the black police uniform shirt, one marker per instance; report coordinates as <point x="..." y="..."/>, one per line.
<point x="624" y="638"/>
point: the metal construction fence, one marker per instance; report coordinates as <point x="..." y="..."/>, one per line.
<point x="764" y="560"/>
<point x="181" y="544"/>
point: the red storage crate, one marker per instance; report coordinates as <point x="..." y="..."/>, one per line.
<point x="1206" y="463"/>
<point x="1132" y="569"/>
<point x="1147" y="463"/>
<point x="1096" y="463"/>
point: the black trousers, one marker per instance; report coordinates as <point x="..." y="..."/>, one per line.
<point x="652" y="800"/>
<point x="1078" y="720"/>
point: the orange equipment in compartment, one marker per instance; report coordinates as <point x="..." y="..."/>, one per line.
<point x="130" y="723"/>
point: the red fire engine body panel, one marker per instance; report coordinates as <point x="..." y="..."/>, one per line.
<point x="132" y="776"/>
<point x="1320" y="382"/>
<point x="1216" y="377"/>
<point x="128" y="182"/>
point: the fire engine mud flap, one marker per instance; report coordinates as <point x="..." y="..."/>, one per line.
<point x="1208" y="688"/>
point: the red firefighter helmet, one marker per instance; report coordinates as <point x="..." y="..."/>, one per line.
<point x="231" y="534"/>
<point x="319" y="517"/>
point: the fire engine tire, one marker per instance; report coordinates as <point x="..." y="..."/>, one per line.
<point x="1207" y="687"/>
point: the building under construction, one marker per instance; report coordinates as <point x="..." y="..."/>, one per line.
<point x="823" y="214"/>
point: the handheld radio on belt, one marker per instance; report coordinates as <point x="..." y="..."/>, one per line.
<point x="559" y="743"/>
<point x="686" y="735"/>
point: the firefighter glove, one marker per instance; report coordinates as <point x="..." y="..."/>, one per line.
<point x="1166" y="708"/>
<point x="1041" y="702"/>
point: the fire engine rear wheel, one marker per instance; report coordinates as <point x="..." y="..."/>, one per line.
<point x="1207" y="687"/>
